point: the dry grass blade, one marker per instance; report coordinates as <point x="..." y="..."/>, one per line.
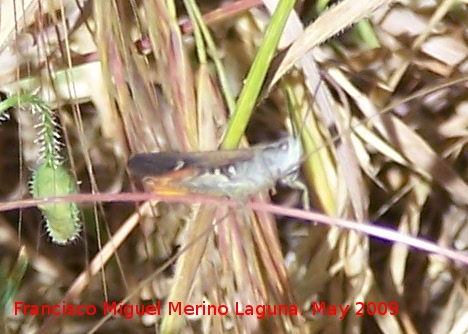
<point x="415" y="149"/>
<point x="330" y="23"/>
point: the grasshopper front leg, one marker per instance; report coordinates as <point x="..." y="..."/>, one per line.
<point x="293" y="182"/>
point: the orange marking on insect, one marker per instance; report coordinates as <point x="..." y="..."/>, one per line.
<point x="170" y="182"/>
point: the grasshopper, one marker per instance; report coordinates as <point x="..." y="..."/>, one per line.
<point x="233" y="173"/>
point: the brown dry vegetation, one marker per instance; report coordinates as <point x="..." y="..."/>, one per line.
<point x="381" y="108"/>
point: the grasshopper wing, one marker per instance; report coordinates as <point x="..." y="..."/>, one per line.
<point x="159" y="164"/>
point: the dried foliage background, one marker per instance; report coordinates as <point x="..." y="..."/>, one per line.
<point x="386" y="136"/>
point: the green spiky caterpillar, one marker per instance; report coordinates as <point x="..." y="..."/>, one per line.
<point x="50" y="179"/>
<point x="62" y="219"/>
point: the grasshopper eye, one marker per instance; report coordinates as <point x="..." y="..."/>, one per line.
<point x="284" y="147"/>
